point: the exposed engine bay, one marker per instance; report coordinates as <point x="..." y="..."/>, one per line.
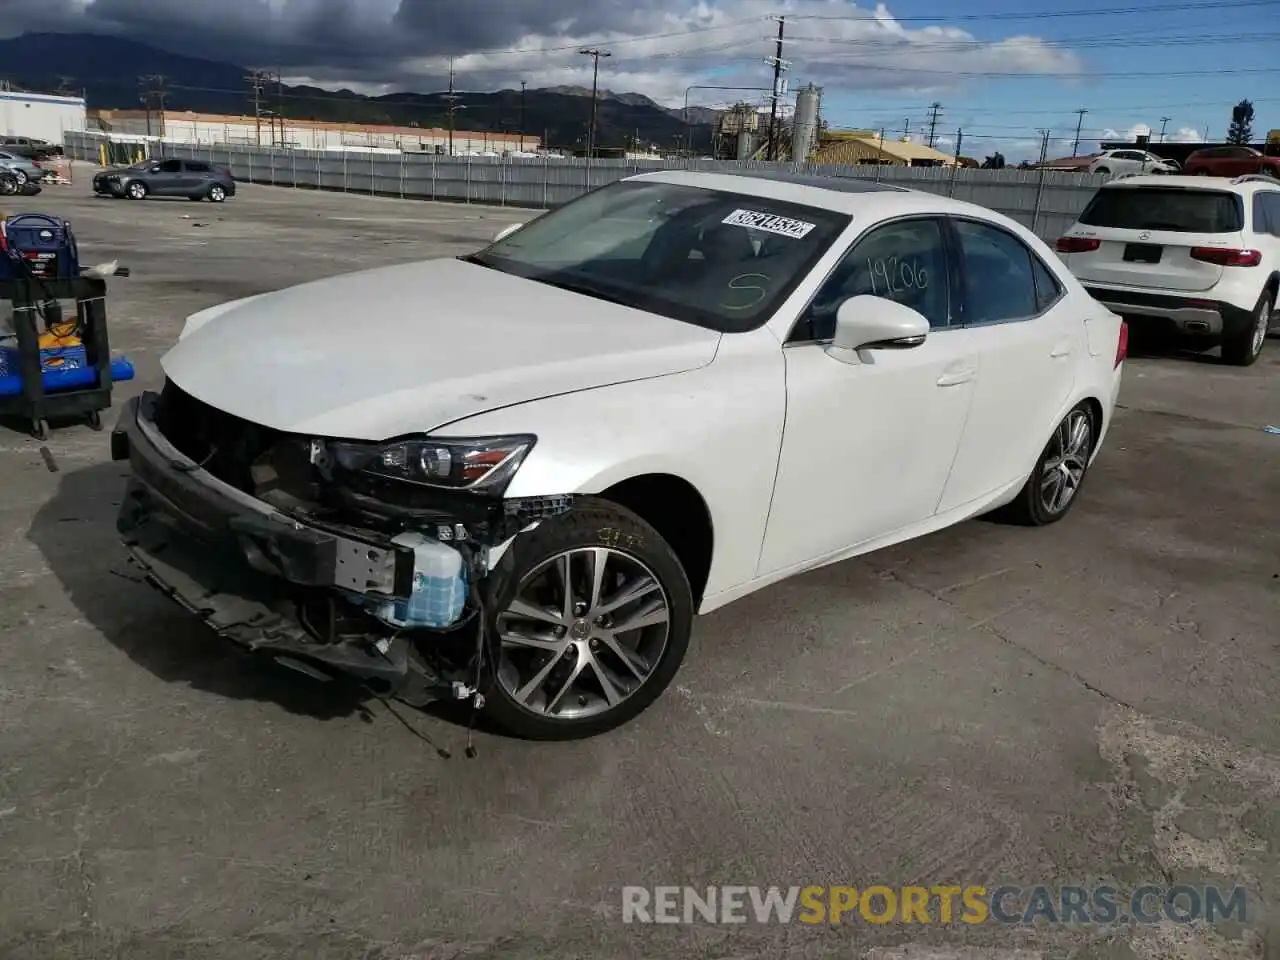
<point x="290" y="546"/>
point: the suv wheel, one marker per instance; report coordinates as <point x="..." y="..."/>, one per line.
<point x="589" y="625"/>
<point x="1102" y="170"/>
<point x="1243" y="347"/>
<point x="137" y="190"/>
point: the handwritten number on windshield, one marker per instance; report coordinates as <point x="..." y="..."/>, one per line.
<point x="891" y="275"/>
<point x="752" y="293"/>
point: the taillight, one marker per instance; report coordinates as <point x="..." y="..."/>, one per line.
<point x="1122" y="345"/>
<point x="1077" y="244"/>
<point x="1226" y="257"/>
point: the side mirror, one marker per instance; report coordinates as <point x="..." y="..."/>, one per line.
<point x="507" y="231"/>
<point x="874" y="323"/>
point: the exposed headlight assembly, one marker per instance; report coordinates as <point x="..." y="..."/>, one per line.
<point x="477" y="464"/>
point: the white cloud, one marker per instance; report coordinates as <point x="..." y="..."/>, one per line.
<point x="1181" y="135"/>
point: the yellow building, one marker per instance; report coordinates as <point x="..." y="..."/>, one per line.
<point x="865" y="146"/>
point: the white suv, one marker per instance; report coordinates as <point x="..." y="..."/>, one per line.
<point x="1200" y="257"/>
<point x="1131" y="161"/>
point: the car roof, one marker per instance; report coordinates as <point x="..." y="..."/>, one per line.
<point x="1216" y="184"/>
<point x="848" y="195"/>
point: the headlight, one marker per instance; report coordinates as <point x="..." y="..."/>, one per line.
<point x="481" y="464"/>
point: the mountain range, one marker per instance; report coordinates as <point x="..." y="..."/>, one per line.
<point x="107" y="69"/>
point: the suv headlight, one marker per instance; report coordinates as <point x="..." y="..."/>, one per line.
<point x="480" y="464"/>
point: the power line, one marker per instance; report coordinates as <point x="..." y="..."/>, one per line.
<point x="1057" y="14"/>
<point x="595" y="54"/>
<point x="256" y="81"/>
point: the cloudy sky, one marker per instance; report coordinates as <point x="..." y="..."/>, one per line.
<point x="999" y="72"/>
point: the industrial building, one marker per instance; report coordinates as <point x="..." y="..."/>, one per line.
<point x="865" y="146"/>
<point x="40" y="116"/>
<point x="206" y="128"/>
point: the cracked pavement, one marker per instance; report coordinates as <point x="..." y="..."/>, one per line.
<point x="1092" y="702"/>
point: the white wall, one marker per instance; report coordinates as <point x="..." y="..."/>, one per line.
<point x="40" y="116"/>
<point x="178" y="129"/>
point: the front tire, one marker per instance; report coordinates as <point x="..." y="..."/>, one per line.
<point x="588" y="625"/>
<point x="1054" y="485"/>
<point x="1103" y="170"/>
<point x="137" y="190"/>
<point x="217" y="193"/>
<point x="21" y="177"/>
<point x="1242" y="347"/>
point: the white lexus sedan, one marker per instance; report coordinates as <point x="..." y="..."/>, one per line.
<point x="514" y="477"/>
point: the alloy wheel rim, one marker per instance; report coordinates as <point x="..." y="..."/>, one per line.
<point x="1066" y="461"/>
<point x="20" y="176"/>
<point x="1261" y="322"/>
<point x="583" y="633"/>
<point x="215" y="194"/>
<point x="136" y="190"/>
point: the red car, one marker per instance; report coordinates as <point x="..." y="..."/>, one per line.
<point x="1230" y="162"/>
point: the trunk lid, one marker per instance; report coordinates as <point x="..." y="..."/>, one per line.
<point x="1145" y="234"/>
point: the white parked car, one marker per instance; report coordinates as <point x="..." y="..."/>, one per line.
<point x="523" y="471"/>
<point x="1131" y="161"/>
<point x="1197" y="257"/>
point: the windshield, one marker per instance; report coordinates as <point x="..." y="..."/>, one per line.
<point x="720" y="260"/>
<point x="1165" y="208"/>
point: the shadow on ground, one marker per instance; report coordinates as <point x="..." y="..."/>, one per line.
<point x="76" y="533"/>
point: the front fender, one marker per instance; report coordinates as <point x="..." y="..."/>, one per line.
<point x="719" y="428"/>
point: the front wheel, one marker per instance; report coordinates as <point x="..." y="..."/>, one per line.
<point x="21" y="177"/>
<point x="217" y="193"/>
<point x="588" y="626"/>
<point x="1053" y="485"/>
<point x="137" y="190"/>
<point x="1103" y="170"/>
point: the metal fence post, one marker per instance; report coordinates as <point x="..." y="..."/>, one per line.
<point x="344" y="169"/>
<point x="373" y="173"/>
<point x="251" y="180"/>
<point x="546" y="181"/>
<point x="434" y="160"/>
<point x="502" y="202"/>
<point x="468" y="191"/>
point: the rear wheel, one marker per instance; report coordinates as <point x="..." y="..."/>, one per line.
<point x="137" y="190"/>
<point x="1242" y="347"/>
<point x="588" y="626"/>
<point x="1055" y="482"/>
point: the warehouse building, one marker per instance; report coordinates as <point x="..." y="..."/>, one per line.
<point x="40" y="116"/>
<point x="207" y="128"/>
<point x="866" y="146"/>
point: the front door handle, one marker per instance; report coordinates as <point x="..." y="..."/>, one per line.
<point x="956" y="376"/>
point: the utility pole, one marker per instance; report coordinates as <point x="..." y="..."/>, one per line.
<point x="595" y="54"/>
<point x="933" y="120"/>
<point x="1164" y="122"/>
<point x="144" y="97"/>
<point x="280" y="103"/>
<point x="906" y="129"/>
<point x="256" y="80"/>
<point x="452" y="99"/>
<point x="1075" y="147"/>
<point x="522" y="86"/>
<point x="153" y="93"/>
<point x="1044" y="145"/>
<point x="778" y="66"/>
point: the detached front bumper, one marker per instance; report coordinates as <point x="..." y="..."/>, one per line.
<point x="247" y="569"/>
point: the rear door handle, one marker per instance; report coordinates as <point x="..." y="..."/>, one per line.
<point x="954" y="376"/>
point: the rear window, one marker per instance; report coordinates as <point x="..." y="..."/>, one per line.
<point x="1165" y="208"/>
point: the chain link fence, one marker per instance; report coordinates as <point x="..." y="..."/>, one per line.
<point x="1044" y="200"/>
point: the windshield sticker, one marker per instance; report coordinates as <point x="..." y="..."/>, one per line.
<point x="769" y="223"/>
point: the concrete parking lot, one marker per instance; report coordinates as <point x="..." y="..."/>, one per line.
<point x="1092" y="702"/>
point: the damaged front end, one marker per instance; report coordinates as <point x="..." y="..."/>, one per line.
<point x="371" y="561"/>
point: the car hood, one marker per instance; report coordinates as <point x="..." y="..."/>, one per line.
<point x="406" y="349"/>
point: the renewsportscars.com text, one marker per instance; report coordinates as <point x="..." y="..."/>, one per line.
<point x="881" y="904"/>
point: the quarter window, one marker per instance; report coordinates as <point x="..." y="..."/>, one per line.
<point x="998" y="278"/>
<point x="905" y="262"/>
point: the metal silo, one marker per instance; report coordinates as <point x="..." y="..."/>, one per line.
<point x="804" y="128"/>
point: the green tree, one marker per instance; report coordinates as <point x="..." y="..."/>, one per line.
<point x="1241" y="129"/>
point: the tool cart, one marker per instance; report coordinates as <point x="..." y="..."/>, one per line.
<point x="52" y="366"/>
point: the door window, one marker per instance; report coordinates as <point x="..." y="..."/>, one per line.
<point x="904" y="261"/>
<point x="171" y="166"/>
<point x="1048" y="289"/>
<point x="197" y="166"/>
<point x="1271" y="207"/>
<point x="999" y="281"/>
